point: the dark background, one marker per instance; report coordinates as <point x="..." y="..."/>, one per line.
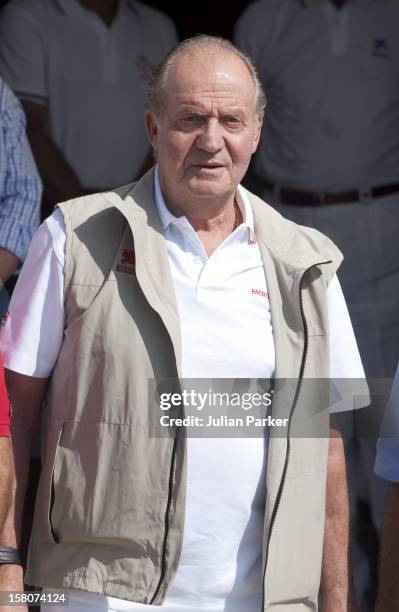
<point x="200" y="17"/>
<point x="204" y="16"/>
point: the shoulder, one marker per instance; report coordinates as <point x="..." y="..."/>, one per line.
<point x="151" y="14"/>
<point x="34" y="10"/>
<point x="261" y="23"/>
<point x="11" y="112"/>
<point x="293" y="244"/>
<point x="160" y="29"/>
<point x="257" y="8"/>
<point x="263" y="10"/>
<point x="78" y="210"/>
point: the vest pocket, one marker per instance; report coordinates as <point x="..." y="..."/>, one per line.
<point x="52" y="531"/>
<point x="53" y="446"/>
<point x="110" y="487"/>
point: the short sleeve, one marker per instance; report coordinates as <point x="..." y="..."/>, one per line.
<point x="22" y="52"/>
<point x="349" y="388"/>
<point x="32" y="330"/>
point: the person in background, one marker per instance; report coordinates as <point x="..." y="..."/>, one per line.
<point x="329" y="159"/>
<point x="20" y="191"/>
<point x="80" y="68"/>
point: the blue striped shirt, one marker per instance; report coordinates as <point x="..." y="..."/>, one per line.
<point x="20" y="185"/>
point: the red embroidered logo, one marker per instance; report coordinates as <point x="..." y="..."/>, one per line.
<point x="260" y="292"/>
<point x="127" y="257"/>
<point x="127" y="262"/>
<point x="5" y="317"/>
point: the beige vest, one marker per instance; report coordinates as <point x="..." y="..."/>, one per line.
<point x="110" y="507"/>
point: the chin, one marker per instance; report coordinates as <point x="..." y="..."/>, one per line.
<point x="210" y="189"/>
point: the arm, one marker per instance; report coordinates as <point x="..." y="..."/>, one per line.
<point x="335" y="582"/>
<point x="26" y="395"/>
<point x="60" y="180"/>
<point x="8" y="264"/>
<point x="388" y="592"/>
<point x="5" y="478"/>
<point x="20" y="188"/>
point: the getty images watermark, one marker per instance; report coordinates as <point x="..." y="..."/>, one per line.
<point x="251" y="407"/>
<point x="211" y="399"/>
<point x="213" y="408"/>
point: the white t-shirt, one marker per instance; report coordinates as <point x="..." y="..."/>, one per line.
<point x="330" y="76"/>
<point x="220" y="566"/>
<point x="93" y="79"/>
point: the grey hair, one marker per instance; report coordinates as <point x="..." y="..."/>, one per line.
<point x="156" y="88"/>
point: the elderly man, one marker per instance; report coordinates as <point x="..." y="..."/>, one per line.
<point x="165" y="279"/>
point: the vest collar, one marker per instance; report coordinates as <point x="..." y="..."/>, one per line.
<point x="287" y="252"/>
<point x="297" y="250"/>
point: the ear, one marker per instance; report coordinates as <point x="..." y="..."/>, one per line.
<point x="152" y="129"/>
<point x="257" y="133"/>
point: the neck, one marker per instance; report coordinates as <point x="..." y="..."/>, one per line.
<point x="222" y="222"/>
<point x="212" y="222"/>
<point x="339" y="3"/>
<point x="203" y="214"/>
<point x="212" y="231"/>
<point x="105" y="9"/>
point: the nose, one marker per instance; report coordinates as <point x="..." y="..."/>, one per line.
<point x="211" y="137"/>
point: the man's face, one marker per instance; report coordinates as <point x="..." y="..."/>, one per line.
<point x="208" y="129"/>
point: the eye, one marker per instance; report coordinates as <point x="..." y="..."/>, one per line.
<point x="192" y="119"/>
<point x="232" y="121"/>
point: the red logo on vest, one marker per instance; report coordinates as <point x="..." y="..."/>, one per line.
<point x="260" y="292"/>
<point x="127" y="262"/>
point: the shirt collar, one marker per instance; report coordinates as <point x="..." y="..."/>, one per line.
<point x="167" y="218"/>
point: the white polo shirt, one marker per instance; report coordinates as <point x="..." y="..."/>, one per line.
<point x="226" y="332"/>
<point x="92" y="78"/>
<point x="330" y="76"/>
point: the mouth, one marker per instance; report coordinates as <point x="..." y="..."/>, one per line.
<point x="209" y="166"/>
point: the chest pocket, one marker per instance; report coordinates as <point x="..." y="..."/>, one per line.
<point x="97" y="253"/>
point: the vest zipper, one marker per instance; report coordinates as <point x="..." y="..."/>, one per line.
<point x="53" y="533"/>
<point x="168" y="520"/>
<point x="292" y="411"/>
